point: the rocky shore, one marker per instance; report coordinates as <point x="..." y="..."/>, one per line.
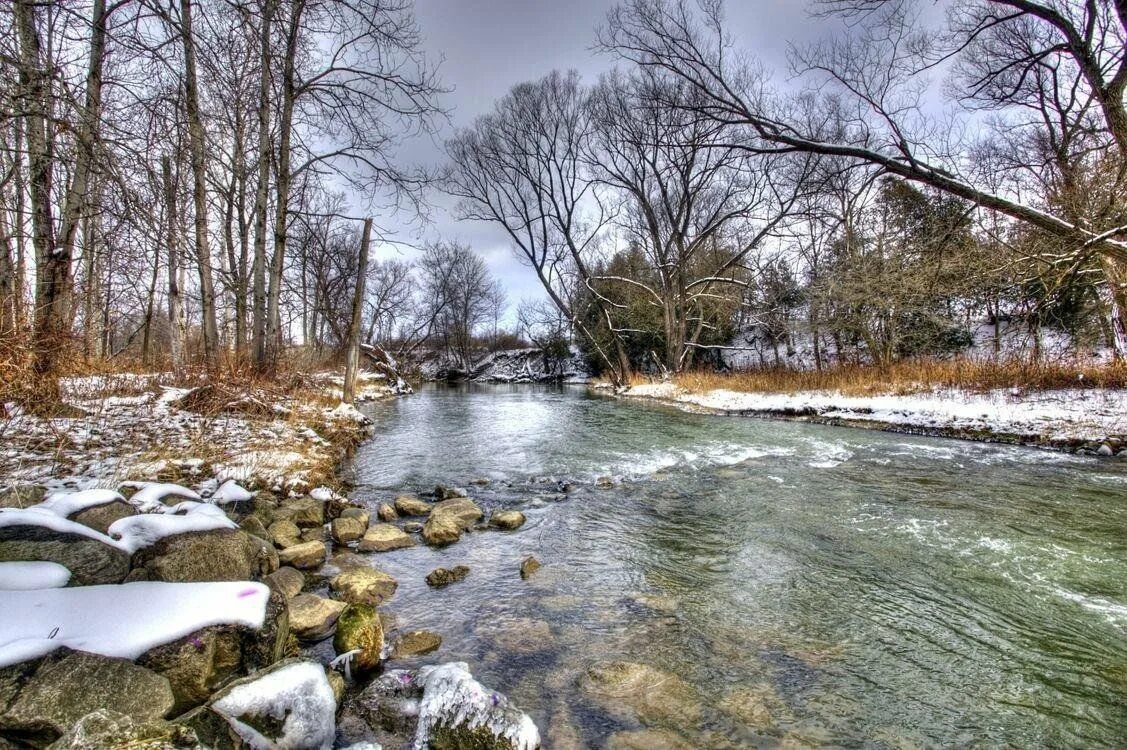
<point x="222" y="602"/>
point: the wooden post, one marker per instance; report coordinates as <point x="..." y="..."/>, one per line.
<point x="353" y="362"/>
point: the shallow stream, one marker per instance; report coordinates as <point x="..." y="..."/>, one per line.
<point x="810" y="585"/>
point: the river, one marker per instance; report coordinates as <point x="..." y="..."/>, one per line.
<point x="813" y="586"/>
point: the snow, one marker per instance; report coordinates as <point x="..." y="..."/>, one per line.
<point x="1065" y="414"/>
<point x="452" y="697"/>
<point x="68" y="503"/>
<point x="230" y="492"/>
<point x="37" y="516"/>
<point x="123" y="620"/>
<point x="349" y="412"/>
<point x="136" y="532"/>
<point x="297" y="693"/>
<point x="23" y="576"/>
<point x="149" y="495"/>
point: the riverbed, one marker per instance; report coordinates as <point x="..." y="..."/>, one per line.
<point x="803" y="585"/>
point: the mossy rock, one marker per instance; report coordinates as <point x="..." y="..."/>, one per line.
<point x="218" y="555"/>
<point x="359" y="628"/>
<point x="462" y="737"/>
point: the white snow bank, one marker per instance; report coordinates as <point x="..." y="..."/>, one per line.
<point x="349" y="412"/>
<point x="322" y="494"/>
<point x="68" y="503"/>
<point x="297" y="693"/>
<point x="135" y="532"/>
<point x="24" y="576"/>
<point x="452" y="697"/>
<point x="1065" y="414"/>
<point x="230" y="492"/>
<point x="45" y="518"/>
<point x="149" y="495"/>
<point x="124" y="620"/>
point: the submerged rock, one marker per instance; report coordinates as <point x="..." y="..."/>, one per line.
<point x="638" y="691"/>
<point x="507" y="519"/>
<point x="440" y="577"/>
<point x="758" y="706"/>
<point x="313" y="617"/>
<point x="303" y="556"/>
<point x="415" y="643"/>
<point x="522" y="635"/>
<point x="363" y="586"/>
<point x="218" y="555"/>
<point x="383" y="537"/>
<point x="409" y="505"/>
<point x="443" y="707"/>
<point x="648" y="739"/>
<point x="54" y="693"/>
<point x="90" y="561"/>
<point x="359" y="629"/>
<point x="528" y="566"/>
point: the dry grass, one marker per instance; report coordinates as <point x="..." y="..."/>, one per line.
<point x="913" y="376"/>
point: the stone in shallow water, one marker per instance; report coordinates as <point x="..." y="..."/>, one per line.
<point x="442" y="530"/>
<point x="507" y="519"/>
<point x="363" y="586"/>
<point x="415" y="643"/>
<point x="522" y="635"/>
<point x="528" y="566"/>
<point x="757" y="707"/>
<point x="303" y="556"/>
<point x="464" y="510"/>
<point x="440" y="577"/>
<point x="648" y="739"/>
<point x="313" y="617"/>
<point x="384" y="537"/>
<point x="630" y="690"/>
<point x="359" y="629"/>
<point x="409" y="505"/>
<point x="289" y="581"/>
<point x="346" y="530"/>
<point x="386" y="513"/>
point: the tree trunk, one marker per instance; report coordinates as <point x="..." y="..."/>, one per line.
<point x="175" y="306"/>
<point x="199" y="192"/>
<point x="353" y="362"/>
<point x="258" y="304"/>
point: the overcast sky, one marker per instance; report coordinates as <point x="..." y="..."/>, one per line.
<point x="487" y="46"/>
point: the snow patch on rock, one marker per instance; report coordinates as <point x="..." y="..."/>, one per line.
<point x="299" y="695"/>
<point x="26" y="576"/>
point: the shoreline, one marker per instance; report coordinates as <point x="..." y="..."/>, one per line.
<point x="1088" y="422"/>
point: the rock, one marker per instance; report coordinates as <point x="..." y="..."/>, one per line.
<point x="1105" y="450"/>
<point x="345" y="530"/>
<point x="413" y="527"/>
<point x="440" y="577"/>
<point x="507" y="519"/>
<point x="627" y="690"/>
<point x="409" y="505"/>
<point x="21" y="496"/>
<point x="218" y="555"/>
<point x="304" y="512"/>
<point x="383" y="537"/>
<point x="648" y="739"/>
<point x="313" y="617"/>
<point x="528" y="566"/>
<point x="336" y="682"/>
<point x="100" y="517"/>
<point x="446" y="709"/>
<point x="522" y="635"/>
<point x="253" y="525"/>
<point x="481" y="482"/>
<point x="361" y="514"/>
<point x="346" y="561"/>
<point x="443" y="492"/>
<point x="314" y="534"/>
<point x="604" y="483"/>
<point x="442" y="530"/>
<point x="284" y="534"/>
<point x="359" y="629"/>
<point x="363" y="586"/>
<point x="66" y="685"/>
<point x="386" y="513"/>
<point x="464" y="510"/>
<point x="90" y="562"/>
<point x="106" y="728"/>
<point x="303" y="556"/>
<point x="289" y="705"/>
<point x="287" y="581"/>
<point x="197" y="664"/>
<point x="758" y="706"/>
<point x="415" y="643"/>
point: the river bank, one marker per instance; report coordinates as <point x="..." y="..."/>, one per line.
<point x="1090" y="421"/>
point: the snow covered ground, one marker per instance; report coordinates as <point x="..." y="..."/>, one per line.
<point x="135" y="427"/>
<point x="1062" y="418"/>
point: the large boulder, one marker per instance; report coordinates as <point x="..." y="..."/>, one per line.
<point x="313" y="617"/>
<point x="202" y="662"/>
<point x="409" y="505"/>
<point x="90" y="561"/>
<point x="363" y="586"/>
<point x="346" y="529"/>
<point x="100" y="517"/>
<point x="304" y="511"/>
<point x="359" y="629"/>
<point x="64" y="686"/>
<point x="216" y="555"/>
<point x="303" y="556"/>
<point x="384" y="537"/>
<point x="631" y="691"/>
<point x="21" y="496"/>
<point x="106" y="728"/>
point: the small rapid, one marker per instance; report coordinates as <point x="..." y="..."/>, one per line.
<point x="799" y="584"/>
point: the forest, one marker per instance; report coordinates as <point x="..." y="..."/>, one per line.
<point x="184" y="184"/>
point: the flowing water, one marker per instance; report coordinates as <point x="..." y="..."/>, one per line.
<point x="811" y="586"/>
